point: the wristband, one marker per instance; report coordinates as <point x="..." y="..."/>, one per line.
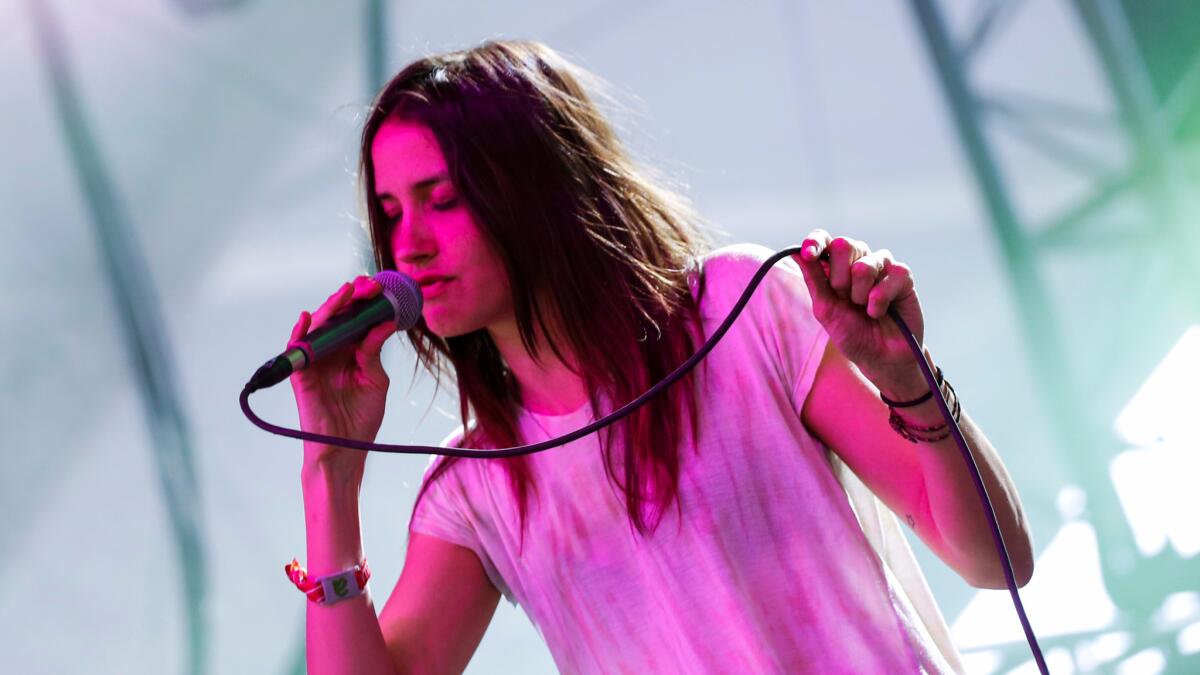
<point x="331" y="588"/>
<point x="917" y="401"/>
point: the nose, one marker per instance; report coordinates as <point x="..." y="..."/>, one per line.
<point x="412" y="243"/>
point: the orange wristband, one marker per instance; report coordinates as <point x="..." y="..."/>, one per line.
<point x="331" y="588"/>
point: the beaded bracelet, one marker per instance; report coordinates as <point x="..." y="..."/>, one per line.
<point x="331" y="588"/>
<point x="908" y="430"/>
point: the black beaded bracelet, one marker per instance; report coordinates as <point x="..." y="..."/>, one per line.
<point x="917" y="401"/>
<point x="913" y="432"/>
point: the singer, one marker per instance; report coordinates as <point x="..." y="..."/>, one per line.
<point x="746" y="521"/>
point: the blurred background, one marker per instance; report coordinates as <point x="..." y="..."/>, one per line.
<point x="179" y="178"/>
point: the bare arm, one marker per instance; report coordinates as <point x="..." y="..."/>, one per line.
<point x="442" y="604"/>
<point x="344" y="637"/>
<point x="432" y="622"/>
<point x="927" y="484"/>
<point x="852" y="289"/>
<point x="440" y="608"/>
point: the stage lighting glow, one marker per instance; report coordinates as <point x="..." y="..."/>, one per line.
<point x="1146" y="662"/>
<point x="1066" y="595"/>
<point x="1188" y="639"/>
<point x="982" y="662"/>
<point x="1155" y="481"/>
<point x="1164" y="408"/>
<point x="1156" y="489"/>
<point x="1058" y="661"/>
<point x="1177" y="610"/>
<point x="1101" y="649"/>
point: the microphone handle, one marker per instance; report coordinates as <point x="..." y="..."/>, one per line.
<point x="346" y="327"/>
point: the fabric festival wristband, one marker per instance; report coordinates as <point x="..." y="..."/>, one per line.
<point x="331" y="588"/>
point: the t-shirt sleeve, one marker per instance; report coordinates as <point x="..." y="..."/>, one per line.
<point x="781" y="310"/>
<point x="439" y="510"/>
<point x="444" y="511"/>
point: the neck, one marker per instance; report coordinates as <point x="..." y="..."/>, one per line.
<point x="546" y="383"/>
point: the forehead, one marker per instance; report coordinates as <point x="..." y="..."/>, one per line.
<point x="404" y="152"/>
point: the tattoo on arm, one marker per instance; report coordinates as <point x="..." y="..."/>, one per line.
<point x="909" y="518"/>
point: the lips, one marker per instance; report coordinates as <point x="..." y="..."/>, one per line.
<point x="432" y="286"/>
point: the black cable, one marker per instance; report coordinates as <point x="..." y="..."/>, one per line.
<point x="997" y="537"/>
<point x="977" y="479"/>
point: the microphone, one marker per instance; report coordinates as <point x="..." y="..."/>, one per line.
<point x="400" y="302"/>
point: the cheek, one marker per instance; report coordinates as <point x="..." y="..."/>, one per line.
<point x="461" y="236"/>
<point x="486" y="266"/>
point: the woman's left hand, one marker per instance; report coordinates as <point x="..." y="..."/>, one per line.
<point x="851" y="293"/>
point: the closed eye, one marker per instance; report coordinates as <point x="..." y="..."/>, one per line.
<point x="450" y="204"/>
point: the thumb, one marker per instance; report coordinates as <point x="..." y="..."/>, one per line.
<point x="815" y="278"/>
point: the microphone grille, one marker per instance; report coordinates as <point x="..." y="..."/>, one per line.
<point x="405" y="296"/>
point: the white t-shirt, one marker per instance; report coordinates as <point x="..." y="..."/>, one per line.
<point x="771" y="569"/>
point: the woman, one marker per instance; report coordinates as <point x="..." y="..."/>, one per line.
<point x="707" y="532"/>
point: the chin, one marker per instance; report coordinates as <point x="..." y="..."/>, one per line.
<point x="444" y="328"/>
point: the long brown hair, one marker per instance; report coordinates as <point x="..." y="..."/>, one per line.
<point x="592" y="246"/>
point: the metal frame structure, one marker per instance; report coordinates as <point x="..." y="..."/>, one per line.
<point x="1081" y="402"/>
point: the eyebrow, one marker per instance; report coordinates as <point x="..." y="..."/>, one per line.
<point x="418" y="186"/>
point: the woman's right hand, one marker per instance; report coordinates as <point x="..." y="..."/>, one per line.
<point x="344" y="393"/>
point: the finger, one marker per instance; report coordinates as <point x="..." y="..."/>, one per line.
<point x="816" y="274"/>
<point x="897" y="281"/>
<point x="864" y="273"/>
<point x="814" y="244"/>
<point x="368" y="352"/>
<point x="301" y="327"/>
<point x="331" y="305"/>
<point x="366" y="287"/>
<point x="842" y="252"/>
<point x="816" y="278"/>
